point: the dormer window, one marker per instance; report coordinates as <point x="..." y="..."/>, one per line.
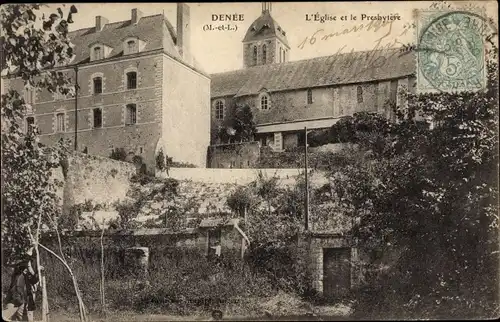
<point x="99" y="51"/>
<point x="132" y="45"/>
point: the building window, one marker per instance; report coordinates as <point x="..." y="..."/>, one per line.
<point x="97" y="85"/>
<point x="131" y="80"/>
<point x="29" y="96"/>
<point x="97" y="117"/>
<point x="97" y="53"/>
<point x="131" y="116"/>
<point x="30" y="122"/>
<point x="255" y="55"/>
<point x="284" y="55"/>
<point x="309" y="96"/>
<point x="264" y="54"/>
<point x="131" y="46"/>
<point x="219" y="110"/>
<point x="265" y="102"/>
<point x="360" y="94"/>
<point x="281" y="55"/>
<point x="60" y="125"/>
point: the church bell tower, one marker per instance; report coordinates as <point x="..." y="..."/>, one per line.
<point x="265" y="41"/>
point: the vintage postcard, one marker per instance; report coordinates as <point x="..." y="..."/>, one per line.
<point x="250" y="161"/>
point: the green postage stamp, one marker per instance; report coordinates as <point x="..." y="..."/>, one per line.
<point x="450" y="51"/>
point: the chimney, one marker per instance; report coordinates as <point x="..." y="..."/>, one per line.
<point x="100" y="22"/>
<point x="136" y="16"/>
<point x="183" y="30"/>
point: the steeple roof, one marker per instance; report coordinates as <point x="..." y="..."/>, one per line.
<point x="265" y="27"/>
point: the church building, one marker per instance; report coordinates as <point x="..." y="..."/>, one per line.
<point x="139" y="89"/>
<point x="286" y="96"/>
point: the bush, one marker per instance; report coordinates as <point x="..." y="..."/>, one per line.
<point x="176" y="284"/>
<point x="118" y="154"/>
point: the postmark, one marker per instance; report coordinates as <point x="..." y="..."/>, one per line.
<point x="451" y="54"/>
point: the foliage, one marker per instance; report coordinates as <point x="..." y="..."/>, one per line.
<point x="30" y="43"/>
<point x="244" y="124"/>
<point x="33" y="43"/>
<point x="71" y="220"/>
<point x="118" y="154"/>
<point x="177" y="164"/>
<point x="238" y="127"/>
<point x="240" y="200"/>
<point x="426" y="185"/>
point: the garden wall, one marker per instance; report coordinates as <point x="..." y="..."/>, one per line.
<point x="235" y="155"/>
<point x="239" y="176"/>
<point x="88" y="177"/>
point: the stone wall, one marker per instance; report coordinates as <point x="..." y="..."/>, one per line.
<point x="331" y="101"/>
<point x="185" y="113"/>
<point x="236" y="155"/>
<point x="315" y="243"/>
<point x="140" y="138"/>
<point x="241" y="176"/>
<point x="99" y="179"/>
<point x="160" y="242"/>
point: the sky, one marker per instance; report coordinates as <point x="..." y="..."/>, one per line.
<point x="219" y="51"/>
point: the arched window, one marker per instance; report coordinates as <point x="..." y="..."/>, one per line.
<point x="265" y="102"/>
<point x="309" y="96"/>
<point x="131" y="80"/>
<point x="255" y="55"/>
<point x="219" y="110"/>
<point x="281" y="55"/>
<point x="264" y="54"/>
<point x="131" y="115"/>
<point x="360" y="94"/>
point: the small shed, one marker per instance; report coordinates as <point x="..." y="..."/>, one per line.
<point x="223" y="237"/>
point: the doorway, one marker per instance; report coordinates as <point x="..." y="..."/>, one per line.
<point x="336" y="272"/>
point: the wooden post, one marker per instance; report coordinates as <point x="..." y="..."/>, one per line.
<point x="76" y="108"/>
<point x="45" y="303"/>
<point x="306" y="205"/>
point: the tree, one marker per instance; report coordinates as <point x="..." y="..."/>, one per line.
<point x="32" y="44"/>
<point x="28" y="49"/>
<point x="244" y="124"/>
<point x="118" y="154"/>
<point x="239" y="127"/>
<point x="427" y="185"/>
<point x="160" y="160"/>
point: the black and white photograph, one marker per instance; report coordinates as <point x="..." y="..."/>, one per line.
<point x="250" y="161"/>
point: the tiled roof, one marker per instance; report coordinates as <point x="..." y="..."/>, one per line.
<point x="156" y="31"/>
<point x="265" y="27"/>
<point x="148" y="29"/>
<point x="214" y="222"/>
<point x="354" y="67"/>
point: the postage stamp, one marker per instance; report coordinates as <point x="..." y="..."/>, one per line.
<point x="451" y="56"/>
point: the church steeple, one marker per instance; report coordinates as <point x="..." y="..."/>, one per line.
<point x="265" y="41"/>
<point x="266" y="6"/>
